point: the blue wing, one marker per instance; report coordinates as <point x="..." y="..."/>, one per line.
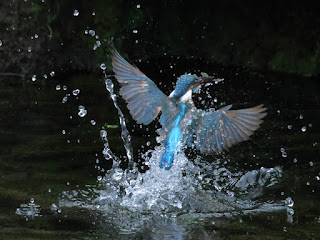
<point x="145" y="100"/>
<point x="214" y="131"/>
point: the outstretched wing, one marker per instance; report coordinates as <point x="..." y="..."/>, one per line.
<point x="145" y="100"/>
<point x="214" y="131"/>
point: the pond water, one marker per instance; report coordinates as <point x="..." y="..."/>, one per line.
<point x="66" y="143"/>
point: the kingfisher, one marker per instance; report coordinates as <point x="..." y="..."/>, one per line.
<point x="182" y="123"/>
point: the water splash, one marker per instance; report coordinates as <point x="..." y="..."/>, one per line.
<point x="29" y="210"/>
<point x="190" y="190"/>
<point x="126" y="138"/>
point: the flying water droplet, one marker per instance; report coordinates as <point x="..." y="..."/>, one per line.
<point x="52" y="73"/>
<point x="45" y="76"/>
<point x="138" y="6"/>
<point x="289" y="127"/>
<point x="34" y="78"/>
<point x="76" y="13"/>
<point x="29" y="49"/>
<point x="64" y="99"/>
<point x="103" y="66"/>
<point x="63" y="132"/>
<point x="36" y="36"/>
<point x="58" y="87"/>
<point x="64" y="88"/>
<point x="301" y="116"/>
<point x="93" y="122"/>
<point x="76" y="92"/>
<point x="0" y="43"/>
<point x="82" y="112"/>
<point x="311" y="164"/>
<point x="135" y="31"/>
<point x="92" y="32"/>
<point x="289" y="202"/>
<point x="304" y="128"/>
<point x="53" y="207"/>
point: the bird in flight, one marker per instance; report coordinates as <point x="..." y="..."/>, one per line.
<point x="182" y="123"/>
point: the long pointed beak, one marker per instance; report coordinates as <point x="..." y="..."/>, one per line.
<point x="205" y="78"/>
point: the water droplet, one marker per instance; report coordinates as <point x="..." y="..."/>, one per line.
<point x="82" y="112"/>
<point x="64" y="99"/>
<point x="304" y="128"/>
<point x="285" y="229"/>
<point x="318" y="178"/>
<point x="289" y="202"/>
<point x="68" y="183"/>
<point x="311" y="164"/>
<point x="58" y="87"/>
<point x="0" y="43"/>
<point x="34" y="78"/>
<point x="103" y="66"/>
<point x="45" y="76"/>
<point x="49" y="190"/>
<point x="301" y="116"/>
<point x="36" y="36"/>
<point x="63" y="131"/>
<point x="53" y="207"/>
<point x="295" y="160"/>
<point x="86" y="32"/>
<point x="92" y="32"/>
<point x="289" y="127"/>
<point x="29" y="49"/>
<point x="284" y="154"/>
<point x="282" y="150"/>
<point x="52" y="73"/>
<point x="282" y="193"/>
<point x="76" y="92"/>
<point x="32" y="200"/>
<point x="135" y="31"/>
<point x="138" y="6"/>
<point x="310" y="124"/>
<point x="93" y="122"/>
<point x="99" y="178"/>
<point x="93" y="13"/>
<point x="64" y="88"/>
<point x="76" y="13"/>
<point x="59" y="211"/>
<point x="148" y="143"/>
<point x="308" y="183"/>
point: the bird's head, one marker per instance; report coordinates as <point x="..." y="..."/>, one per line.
<point x="190" y="82"/>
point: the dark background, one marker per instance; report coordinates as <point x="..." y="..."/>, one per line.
<point x="268" y="52"/>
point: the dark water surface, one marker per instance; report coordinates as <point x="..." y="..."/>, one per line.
<point x="51" y="158"/>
